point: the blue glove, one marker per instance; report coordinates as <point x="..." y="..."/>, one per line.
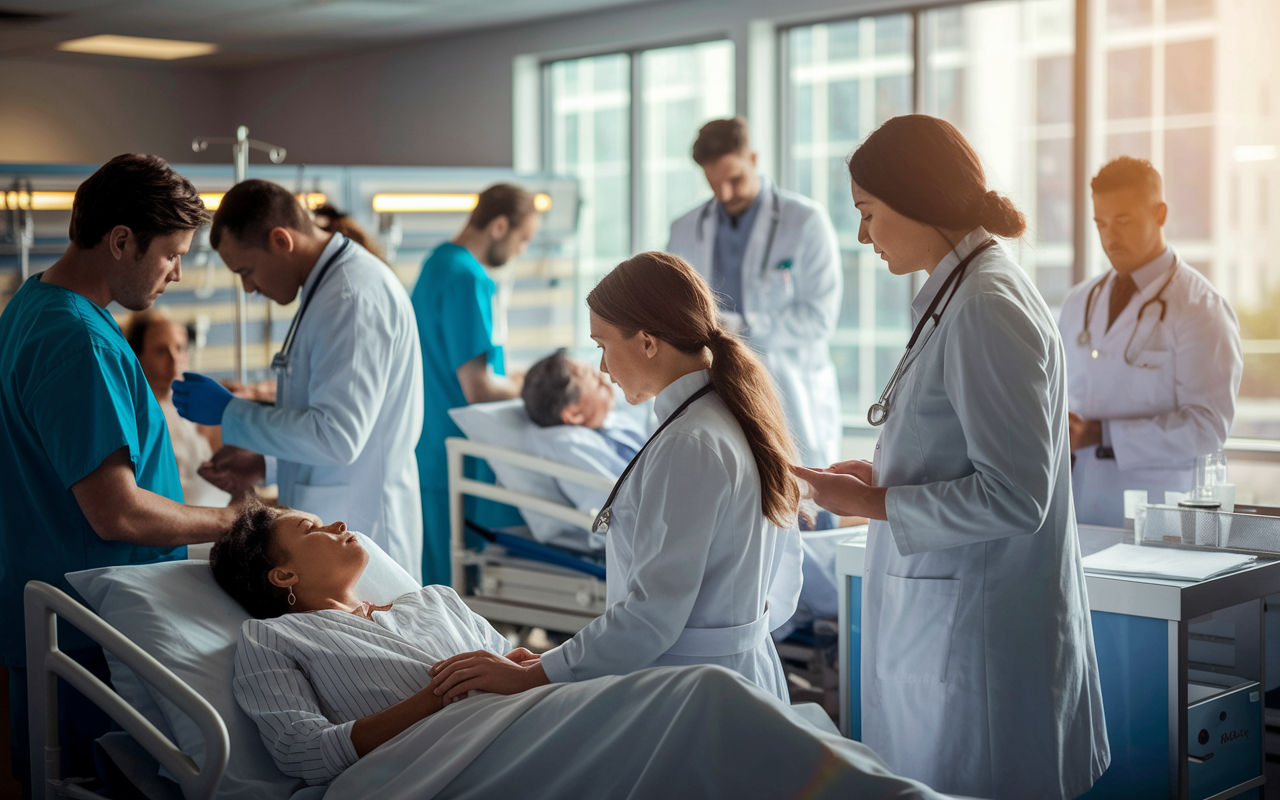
<point x="199" y="399"/>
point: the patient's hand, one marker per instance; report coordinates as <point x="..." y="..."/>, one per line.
<point x="234" y="470"/>
<point x="452" y="678"/>
<point x="522" y="656"/>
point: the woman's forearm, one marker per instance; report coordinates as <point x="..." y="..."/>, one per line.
<point x="377" y="729"/>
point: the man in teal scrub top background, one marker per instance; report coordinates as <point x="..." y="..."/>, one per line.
<point x="87" y="473"/>
<point x="462" y="364"/>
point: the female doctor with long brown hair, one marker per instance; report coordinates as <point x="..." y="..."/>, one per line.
<point x="978" y="669"/>
<point x="702" y="552"/>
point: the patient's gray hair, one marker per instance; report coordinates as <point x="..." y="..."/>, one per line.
<point x="549" y="389"/>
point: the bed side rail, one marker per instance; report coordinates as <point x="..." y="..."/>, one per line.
<point x="461" y="486"/>
<point x="45" y="662"/>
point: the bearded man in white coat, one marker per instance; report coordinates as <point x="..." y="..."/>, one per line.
<point x="340" y="439"/>
<point x="1153" y="355"/>
<point x="773" y="260"/>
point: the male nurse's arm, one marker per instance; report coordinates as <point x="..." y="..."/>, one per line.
<point x="481" y="385"/>
<point x="119" y="510"/>
<point x="1207" y="366"/>
<point x="818" y="285"/>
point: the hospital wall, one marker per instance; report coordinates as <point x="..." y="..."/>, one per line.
<point x="55" y="111"/>
<point x="443" y="101"/>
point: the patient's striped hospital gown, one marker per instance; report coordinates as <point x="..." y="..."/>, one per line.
<point x="305" y="679"/>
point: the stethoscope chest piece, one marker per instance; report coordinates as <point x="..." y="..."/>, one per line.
<point x="878" y="414"/>
<point x="601" y="524"/>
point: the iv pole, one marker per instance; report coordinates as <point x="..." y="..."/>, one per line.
<point x="240" y="147"/>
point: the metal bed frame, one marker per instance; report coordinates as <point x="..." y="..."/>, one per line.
<point x="513" y="590"/>
<point x="43" y="605"/>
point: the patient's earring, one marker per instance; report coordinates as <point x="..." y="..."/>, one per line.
<point x="292" y="599"/>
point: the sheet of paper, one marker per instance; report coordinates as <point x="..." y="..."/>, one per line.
<point x="1164" y="562"/>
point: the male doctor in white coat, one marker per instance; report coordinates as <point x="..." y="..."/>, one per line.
<point x="773" y="259"/>
<point x="1153" y="355"/>
<point x="348" y="409"/>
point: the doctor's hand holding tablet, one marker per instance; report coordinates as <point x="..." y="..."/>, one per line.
<point x="978" y="669"/>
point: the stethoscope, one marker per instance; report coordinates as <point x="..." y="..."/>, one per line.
<point x="775" y="215"/>
<point x="601" y="523"/>
<point x="1085" y="339"/>
<point x="281" y="360"/>
<point x="878" y="414"/>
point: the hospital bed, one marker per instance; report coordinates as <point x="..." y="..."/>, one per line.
<point x="170" y="634"/>
<point x="503" y="587"/>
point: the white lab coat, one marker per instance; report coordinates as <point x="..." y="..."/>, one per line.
<point x="696" y="574"/>
<point x="348" y="409"/>
<point x="791" y="290"/>
<point x="1178" y="402"/>
<point x="978" y="668"/>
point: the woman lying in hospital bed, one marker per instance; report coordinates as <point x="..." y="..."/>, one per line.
<point x="341" y="693"/>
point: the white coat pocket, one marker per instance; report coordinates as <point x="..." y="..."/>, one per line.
<point x="329" y="503"/>
<point x="917" y="617"/>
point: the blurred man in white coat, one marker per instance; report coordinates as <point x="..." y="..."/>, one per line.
<point x="1153" y="355"/>
<point x="348" y="410"/>
<point x="773" y="260"/>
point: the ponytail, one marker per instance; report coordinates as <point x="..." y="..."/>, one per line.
<point x="744" y="385"/>
<point x="663" y="296"/>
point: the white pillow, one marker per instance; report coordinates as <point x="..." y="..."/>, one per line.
<point x="178" y="614"/>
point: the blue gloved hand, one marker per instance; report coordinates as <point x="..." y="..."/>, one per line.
<point x="199" y="399"/>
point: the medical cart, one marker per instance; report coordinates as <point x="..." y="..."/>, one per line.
<point x="1181" y="667"/>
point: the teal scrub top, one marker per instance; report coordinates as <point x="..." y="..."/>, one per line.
<point x="71" y="393"/>
<point x="453" y="301"/>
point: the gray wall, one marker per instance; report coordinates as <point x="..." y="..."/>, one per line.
<point x="445" y="101"/>
<point x="55" y="110"/>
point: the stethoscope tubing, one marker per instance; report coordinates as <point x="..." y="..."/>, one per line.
<point x="281" y="359"/>
<point x="1085" y="339"/>
<point x="775" y="217"/>
<point x="878" y="414"/>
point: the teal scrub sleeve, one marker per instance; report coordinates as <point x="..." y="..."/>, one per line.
<point x="83" y="411"/>
<point x="468" y="320"/>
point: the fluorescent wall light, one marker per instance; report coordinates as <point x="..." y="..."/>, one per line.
<point x="1255" y="152"/>
<point x="440" y="203"/>
<point x="313" y="200"/>
<point x="39" y="201"/>
<point x="138" y="47"/>
<point x="62" y="201"/>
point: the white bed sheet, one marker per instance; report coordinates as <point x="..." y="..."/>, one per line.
<point x="659" y="733"/>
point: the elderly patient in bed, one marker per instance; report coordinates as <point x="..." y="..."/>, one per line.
<point x="329" y="677"/>
<point x="572" y="403"/>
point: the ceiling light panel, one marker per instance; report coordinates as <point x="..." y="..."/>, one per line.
<point x="138" y="47"/>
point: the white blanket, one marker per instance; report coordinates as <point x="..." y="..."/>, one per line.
<point x="659" y="733"/>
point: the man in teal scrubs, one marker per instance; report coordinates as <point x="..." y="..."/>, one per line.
<point x="462" y="364"/>
<point x="87" y="473"/>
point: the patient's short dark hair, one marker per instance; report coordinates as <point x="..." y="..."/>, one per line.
<point x="244" y="555"/>
<point x="549" y="389"/>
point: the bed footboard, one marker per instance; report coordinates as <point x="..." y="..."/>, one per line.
<point x="45" y="663"/>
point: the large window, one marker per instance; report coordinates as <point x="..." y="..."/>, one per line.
<point x="623" y="124"/>
<point x="1192" y="86"/>
<point x="845" y="78"/>
<point x="1002" y="73"/>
